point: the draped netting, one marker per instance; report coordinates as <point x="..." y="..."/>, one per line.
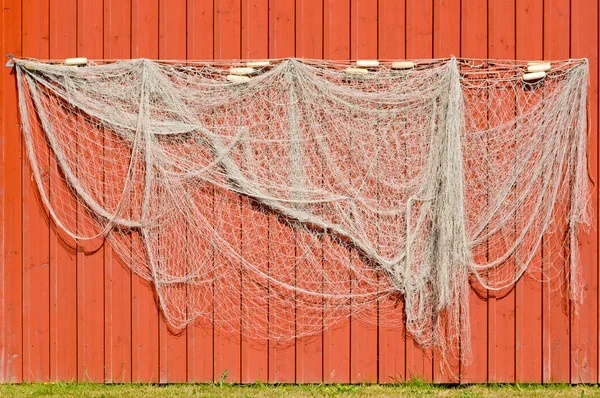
<point x="306" y="195"/>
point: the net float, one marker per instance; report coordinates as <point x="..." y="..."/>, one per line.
<point x="528" y="77"/>
<point x="403" y="65"/>
<point x="258" y="64"/>
<point x="241" y="71"/>
<point x="538" y="67"/>
<point x="75" y="61"/>
<point x="367" y="63"/>
<point x="356" y="71"/>
<point x="237" y="78"/>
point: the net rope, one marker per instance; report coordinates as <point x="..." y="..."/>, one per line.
<point x="288" y="203"/>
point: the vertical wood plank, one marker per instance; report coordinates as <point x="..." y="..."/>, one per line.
<point x="474" y="41"/>
<point x="117" y="278"/>
<point x="144" y="308"/>
<point x="501" y="310"/>
<point x="282" y="354"/>
<point x="254" y="348"/>
<point x="255" y="223"/>
<point x="419" y="29"/>
<point x="309" y="349"/>
<point x="363" y="350"/>
<point x="392" y="340"/>
<point x="172" y="45"/>
<point x="227" y="337"/>
<point x="36" y="250"/>
<point x="63" y="256"/>
<point x="528" y="290"/>
<point x="227" y="343"/>
<point x="282" y="36"/>
<point x="446" y="28"/>
<point x="255" y="29"/>
<point x="446" y="43"/>
<point x="309" y="29"/>
<point x="363" y="29"/>
<point x="556" y="326"/>
<point x="11" y="227"/>
<point x="419" y="44"/>
<point x="584" y="325"/>
<point x="200" y="39"/>
<point x="90" y="255"/>
<point x="336" y="338"/>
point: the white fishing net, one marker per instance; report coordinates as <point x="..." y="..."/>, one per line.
<point x="305" y="195"/>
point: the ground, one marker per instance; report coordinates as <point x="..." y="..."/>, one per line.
<point x="414" y="389"/>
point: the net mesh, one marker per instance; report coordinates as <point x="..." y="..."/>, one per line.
<point x="289" y="202"/>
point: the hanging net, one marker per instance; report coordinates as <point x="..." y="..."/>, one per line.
<point x="309" y="193"/>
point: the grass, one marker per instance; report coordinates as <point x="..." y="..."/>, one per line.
<point x="220" y="389"/>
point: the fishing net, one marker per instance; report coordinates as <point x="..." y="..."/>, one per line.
<point x="283" y="202"/>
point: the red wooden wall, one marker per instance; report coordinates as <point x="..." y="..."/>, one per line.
<point x="66" y="314"/>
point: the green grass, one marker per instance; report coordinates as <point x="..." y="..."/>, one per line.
<point x="220" y="389"/>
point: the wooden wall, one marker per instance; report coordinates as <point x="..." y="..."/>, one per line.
<point x="70" y="315"/>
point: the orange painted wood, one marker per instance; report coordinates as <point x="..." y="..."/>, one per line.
<point x="336" y="337"/>
<point x="474" y="41"/>
<point x="200" y="45"/>
<point x="501" y="308"/>
<point x="391" y="30"/>
<point x="11" y="213"/>
<point x="172" y="45"/>
<point x="255" y="29"/>
<point x="63" y="255"/>
<point x="255" y="318"/>
<point x="90" y="255"/>
<point x="254" y="350"/>
<point x="144" y="309"/>
<point x="282" y="250"/>
<point x="83" y="316"/>
<point x="36" y="250"/>
<point x="227" y="338"/>
<point x="446" y="28"/>
<point x="227" y="342"/>
<point x="556" y="307"/>
<point x="281" y="29"/>
<point x="391" y="349"/>
<point x="254" y="222"/>
<point x="363" y="30"/>
<point x="528" y="311"/>
<point x="584" y="329"/>
<point x="419" y="44"/>
<point x="446" y="43"/>
<point x="309" y="349"/>
<point x="282" y="353"/>
<point x="117" y="277"/>
<point x="363" y="342"/>
<point x="309" y="29"/>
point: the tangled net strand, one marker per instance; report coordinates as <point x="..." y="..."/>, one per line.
<point x="307" y="194"/>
